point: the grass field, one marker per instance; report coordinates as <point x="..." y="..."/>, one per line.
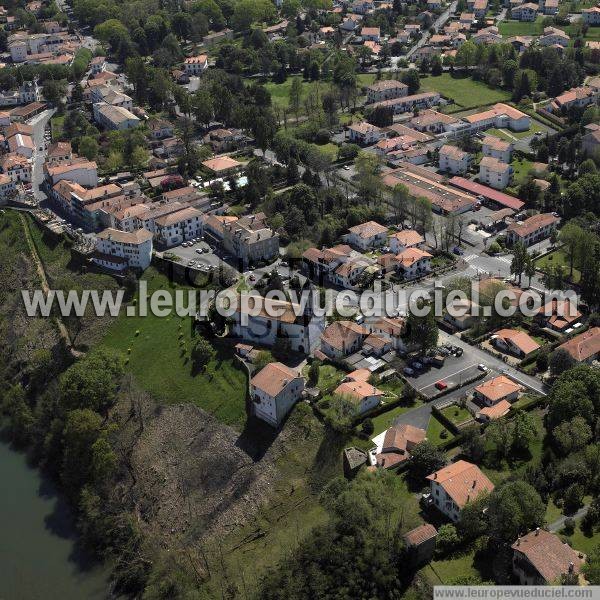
<point x="593" y="33"/>
<point x="512" y="28"/>
<point x="56" y="125"/>
<point x="558" y="257"/>
<point x="463" y="90"/>
<point x="160" y="362"/>
<point x="510" y="136"/>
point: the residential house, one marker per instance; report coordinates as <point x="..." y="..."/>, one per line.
<point x="591" y="16"/>
<point x="515" y="342"/>
<point x="496" y="148"/>
<point x="585" y="347"/>
<point x="78" y="170"/>
<point x="432" y="121"/>
<point x="399" y="440"/>
<point x="386" y="89"/>
<point x="266" y="320"/>
<point x="160" y="128"/>
<point x="350" y="23"/>
<point x="420" y="543"/>
<point x="558" y="315"/>
<point x="462" y="314"/>
<point x="553" y="37"/>
<point x="195" y="65"/>
<point x="114" y="117"/>
<point x="500" y="116"/>
<point x="550" y="7"/>
<point x="225" y="140"/>
<point x="250" y="239"/>
<point x="21" y="144"/>
<point x="413" y="262"/>
<point x="590" y="141"/>
<point x="273" y="391"/>
<point x="410" y="103"/>
<point x="97" y="64"/>
<point x="342" y="338"/>
<point x="525" y="12"/>
<point x="362" y="395"/>
<point x="222" y="166"/>
<point x="578" y="97"/>
<point x="407" y="238"/>
<point x="59" y="152"/>
<point x="452" y="487"/>
<point x="393" y="328"/>
<point x="541" y="558"/>
<point x="488" y="35"/>
<point x="135" y="248"/>
<point x="7" y="187"/>
<point x="494" y="172"/>
<point x="494" y="390"/>
<point x="497" y="411"/>
<point x="371" y="34"/>
<point x="479" y="8"/>
<point x="364" y="133"/>
<point x="532" y="230"/>
<point x="367" y="235"/>
<point x="453" y="160"/>
<point x="348" y="275"/>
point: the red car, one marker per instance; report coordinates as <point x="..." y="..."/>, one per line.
<point x="441" y="385"/>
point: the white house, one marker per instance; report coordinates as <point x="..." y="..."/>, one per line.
<point x="532" y="230"/>
<point x="494" y="173"/>
<point x="370" y="34"/>
<point x="195" y="65"/>
<point x="364" y="133"/>
<point x="264" y="321"/>
<point x="134" y="248"/>
<point x="413" y="262"/>
<point x="452" y="487"/>
<point x="591" y="16"/>
<point x="367" y="235"/>
<point x="554" y="37"/>
<point x="525" y="12"/>
<point x="386" y="89"/>
<point x="179" y="226"/>
<point x="78" y="170"/>
<point x="500" y="116"/>
<point x="453" y="160"/>
<point x="496" y="148"/>
<point x="274" y="390"/>
<point x="15" y="166"/>
<point x="361" y="394"/>
<point x="7" y="187"/>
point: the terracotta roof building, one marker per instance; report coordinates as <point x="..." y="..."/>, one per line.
<point x="499" y="388"/>
<point x="584" y="347"/>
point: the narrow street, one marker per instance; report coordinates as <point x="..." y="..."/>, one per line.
<point x="38" y="124"/>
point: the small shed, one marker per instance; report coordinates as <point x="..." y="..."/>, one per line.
<point x="420" y="543"/>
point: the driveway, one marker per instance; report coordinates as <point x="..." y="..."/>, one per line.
<point x="560" y="522"/>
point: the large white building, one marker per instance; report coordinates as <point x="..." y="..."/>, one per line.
<point x="532" y="230"/>
<point x="179" y="226"/>
<point x="496" y="148"/>
<point x="591" y="16"/>
<point x="195" y="65"/>
<point x="274" y="390"/>
<point x="500" y="116"/>
<point x="118" y="250"/>
<point x="386" y="89"/>
<point x="367" y="235"/>
<point x="78" y="170"/>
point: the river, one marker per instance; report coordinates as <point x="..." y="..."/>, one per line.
<point x="39" y="559"/>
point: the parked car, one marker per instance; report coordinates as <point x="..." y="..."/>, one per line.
<point x="416" y="365"/>
<point x="459" y="352"/>
<point x="199" y="250"/>
<point x="441" y="385"/>
<point x="458" y="251"/>
<point x="408" y="371"/>
<point x="482" y="367"/>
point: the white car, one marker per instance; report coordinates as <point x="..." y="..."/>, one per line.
<point x="482" y="367"/>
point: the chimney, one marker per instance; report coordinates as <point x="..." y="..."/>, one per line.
<point x="537" y="531"/>
<point x="571" y="567"/>
<point x="474" y="483"/>
<point x="519" y="541"/>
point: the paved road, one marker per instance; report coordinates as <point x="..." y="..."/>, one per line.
<point x="37" y="176"/>
<point x="560" y="523"/>
<point x="437" y="25"/>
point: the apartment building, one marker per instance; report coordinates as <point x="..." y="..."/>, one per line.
<point x="591" y="16"/>
<point x="15" y="166"/>
<point x="195" y="65"/>
<point x="532" y="230"/>
<point x="453" y="160"/>
<point x="78" y="170"/>
<point x="500" y="116"/>
<point x="409" y="103"/>
<point x="134" y="249"/>
<point x="114" y="117"/>
<point x="386" y="89"/>
<point x="367" y="235"/>
<point x="364" y="134"/>
<point x="494" y="172"/>
<point x="525" y="12"/>
<point x="496" y="148"/>
<point x="250" y="239"/>
<point x="176" y="227"/>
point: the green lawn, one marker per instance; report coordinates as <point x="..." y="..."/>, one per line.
<point x="593" y="33"/>
<point x="456" y="414"/>
<point x="558" y="257"/>
<point x="463" y="90"/>
<point x="510" y="136"/>
<point x="280" y="92"/>
<point x="513" y="28"/>
<point x="444" y="571"/>
<point x="385" y="420"/>
<point x="56" y="124"/>
<point x="583" y="542"/>
<point x="330" y="149"/>
<point x="521" y="168"/>
<point x="158" y="349"/>
<point x="329" y="377"/>
<point x="434" y="432"/>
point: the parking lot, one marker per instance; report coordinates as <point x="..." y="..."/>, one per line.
<point x="198" y="255"/>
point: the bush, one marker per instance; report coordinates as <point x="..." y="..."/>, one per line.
<point x="368" y="426"/>
<point x="569" y="526"/>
